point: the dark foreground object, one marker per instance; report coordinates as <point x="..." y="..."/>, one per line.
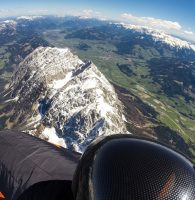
<point x="32" y="169"/>
<point x="124" y="168"/>
<point x="117" y="167"/>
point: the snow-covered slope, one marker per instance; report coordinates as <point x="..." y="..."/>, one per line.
<point x="8" y="25"/>
<point x="60" y="98"/>
<point x="160" y="36"/>
<point x="30" y="18"/>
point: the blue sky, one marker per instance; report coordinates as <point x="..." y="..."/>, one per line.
<point x="173" y="16"/>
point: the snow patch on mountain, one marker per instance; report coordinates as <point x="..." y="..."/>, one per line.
<point x="57" y="84"/>
<point x="160" y="36"/>
<point x="50" y="135"/>
<point x="29" y="18"/>
<point x="8" y="25"/>
<point x="61" y="98"/>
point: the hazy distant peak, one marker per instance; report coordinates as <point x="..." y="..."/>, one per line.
<point x="30" y="18"/>
<point x="160" y="36"/>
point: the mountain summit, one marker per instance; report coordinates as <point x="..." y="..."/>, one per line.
<point x="58" y="97"/>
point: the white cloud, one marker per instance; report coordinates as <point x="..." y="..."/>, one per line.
<point x="151" y="22"/>
<point x="92" y="14"/>
<point x="40" y="11"/>
<point x="189" y="32"/>
<point x="168" y="26"/>
<point x="88" y="13"/>
<point x="3" y="10"/>
<point x="22" y="11"/>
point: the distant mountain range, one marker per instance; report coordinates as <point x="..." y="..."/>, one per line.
<point x="144" y="82"/>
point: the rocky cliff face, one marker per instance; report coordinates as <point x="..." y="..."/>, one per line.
<point x="56" y="96"/>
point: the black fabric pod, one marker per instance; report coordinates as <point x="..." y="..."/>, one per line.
<point x="31" y="168"/>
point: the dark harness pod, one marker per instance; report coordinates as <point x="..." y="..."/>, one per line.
<point x="31" y="168"/>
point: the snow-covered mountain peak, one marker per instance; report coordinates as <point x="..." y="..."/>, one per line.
<point x="160" y="36"/>
<point x="29" y="18"/>
<point x="50" y="63"/>
<point x="58" y="97"/>
<point x="8" y="24"/>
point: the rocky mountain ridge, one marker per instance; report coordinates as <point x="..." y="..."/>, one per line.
<point x="56" y="96"/>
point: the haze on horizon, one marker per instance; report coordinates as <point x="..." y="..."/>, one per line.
<point x="174" y="17"/>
